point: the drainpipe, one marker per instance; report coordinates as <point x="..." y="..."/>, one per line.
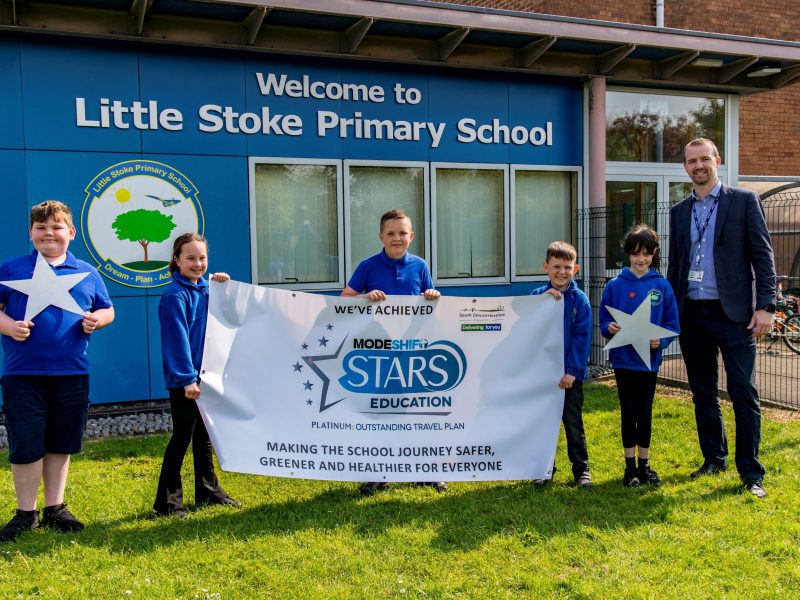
<point x="660" y="13"/>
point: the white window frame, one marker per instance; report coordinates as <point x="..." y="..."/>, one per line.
<point x="578" y="172"/>
<point x="426" y="186"/>
<point x="273" y="160"/>
<point x="505" y="278"/>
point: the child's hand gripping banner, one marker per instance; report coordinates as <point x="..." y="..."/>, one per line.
<point x="321" y="387"/>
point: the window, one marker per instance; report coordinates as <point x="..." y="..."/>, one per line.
<point x="644" y="127"/>
<point x="470" y="226"/>
<point x="543" y="204"/>
<point x="627" y="203"/>
<point x="372" y="189"/>
<point x="295" y="216"/>
<point x="678" y="190"/>
<point x="313" y="220"/>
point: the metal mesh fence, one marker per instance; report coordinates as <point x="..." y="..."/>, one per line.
<point x="600" y="232"/>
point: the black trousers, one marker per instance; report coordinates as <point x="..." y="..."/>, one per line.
<point x="187" y="426"/>
<point x="636" y="390"/>
<point x="572" y="418"/>
<point x="705" y="332"/>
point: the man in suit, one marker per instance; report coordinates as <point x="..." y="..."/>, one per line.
<point x="722" y="269"/>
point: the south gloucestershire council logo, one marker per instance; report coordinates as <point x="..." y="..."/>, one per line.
<point x="132" y="212"/>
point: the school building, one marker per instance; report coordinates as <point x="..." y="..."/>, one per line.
<point x="282" y="129"/>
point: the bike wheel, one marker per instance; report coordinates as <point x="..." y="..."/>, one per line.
<point x="791" y="333"/>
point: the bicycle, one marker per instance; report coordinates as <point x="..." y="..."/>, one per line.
<point x="785" y="322"/>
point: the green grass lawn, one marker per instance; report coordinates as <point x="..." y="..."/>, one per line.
<point x="295" y="538"/>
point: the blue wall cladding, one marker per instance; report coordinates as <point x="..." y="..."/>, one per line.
<point x="10" y="95"/>
<point x="90" y="105"/>
<point x="182" y="102"/>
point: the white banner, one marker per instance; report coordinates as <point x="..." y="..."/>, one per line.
<point x="322" y="387"/>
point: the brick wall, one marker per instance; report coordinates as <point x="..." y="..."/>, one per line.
<point x="769" y="133"/>
<point x="624" y="11"/>
<point x="769" y="123"/>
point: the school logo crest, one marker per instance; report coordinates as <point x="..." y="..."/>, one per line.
<point x="132" y="212"/>
<point x="656" y="297"/>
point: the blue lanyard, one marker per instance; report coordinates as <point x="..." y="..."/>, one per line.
<point x="702" y="230"/>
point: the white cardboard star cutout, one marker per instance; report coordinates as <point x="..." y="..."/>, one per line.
<point x="47" y="289"/>
<point x="637" y="330"/>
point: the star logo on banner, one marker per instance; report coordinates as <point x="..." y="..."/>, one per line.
<point x="312" y="361"/>
<point x="637" y="330"/>
<point x="46" y="288"/>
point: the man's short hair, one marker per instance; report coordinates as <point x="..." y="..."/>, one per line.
<point x="51" y="208"/>
<point x="701" y="142"/>
<point x="562" y="251"/>
<point x="395" y="213"/>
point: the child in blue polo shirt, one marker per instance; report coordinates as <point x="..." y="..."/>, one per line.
<point x="46" y="371"/>
<point x="393" y="271"/>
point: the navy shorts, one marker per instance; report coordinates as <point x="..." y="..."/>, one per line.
<point x="45" y="414"/>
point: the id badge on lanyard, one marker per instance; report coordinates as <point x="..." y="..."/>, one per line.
<point x="696" y="276"/>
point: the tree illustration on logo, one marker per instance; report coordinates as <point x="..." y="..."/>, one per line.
<point x="145" y="227"/>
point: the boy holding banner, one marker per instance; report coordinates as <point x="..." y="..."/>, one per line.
<point x="560" y="265"/>
<point x="393" y="270"/>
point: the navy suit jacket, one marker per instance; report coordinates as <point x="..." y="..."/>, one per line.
<point x="743" y="258"/>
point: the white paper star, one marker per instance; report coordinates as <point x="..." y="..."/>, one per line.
<point x="47" y="289"/>
<point x="637" y="330"/>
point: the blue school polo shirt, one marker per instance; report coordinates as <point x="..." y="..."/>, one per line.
<point x="57" y="344"/>
<point x="405" y="276"/>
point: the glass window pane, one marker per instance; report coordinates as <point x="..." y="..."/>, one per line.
<point x="678" y="190"/>
<point x="373" y="191"/>
<point x="296" y="235"/>
<point x="627" y="203"/>
<point x="543" y="206"/>
<point x="655" y="127"/>
<point x="470" y="231"/>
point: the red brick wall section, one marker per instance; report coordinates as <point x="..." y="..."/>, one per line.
<point x="623" y="11"/>
<point x="775" y="19"/>
<point x="769" y="123"/>
<point x="769" y="133"/>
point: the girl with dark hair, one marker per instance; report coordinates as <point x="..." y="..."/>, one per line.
<point x="636" y="381"/>
<point x="182" y="312"/>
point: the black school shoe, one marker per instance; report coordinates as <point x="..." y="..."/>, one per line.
<point x="226" y="501"/>
<point x="583" y="480"/>
<point x="755" y="487"/>
<point x="631" y="478"/>
<point x="22" y="521"/>
<point x="178" y="512"/>
<point x="439" y="486"/>
<point x="708" y="468"/>
<point x="371" y="487"/>
<point x="59" y="518"/>
<point x="648" y="476"/>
